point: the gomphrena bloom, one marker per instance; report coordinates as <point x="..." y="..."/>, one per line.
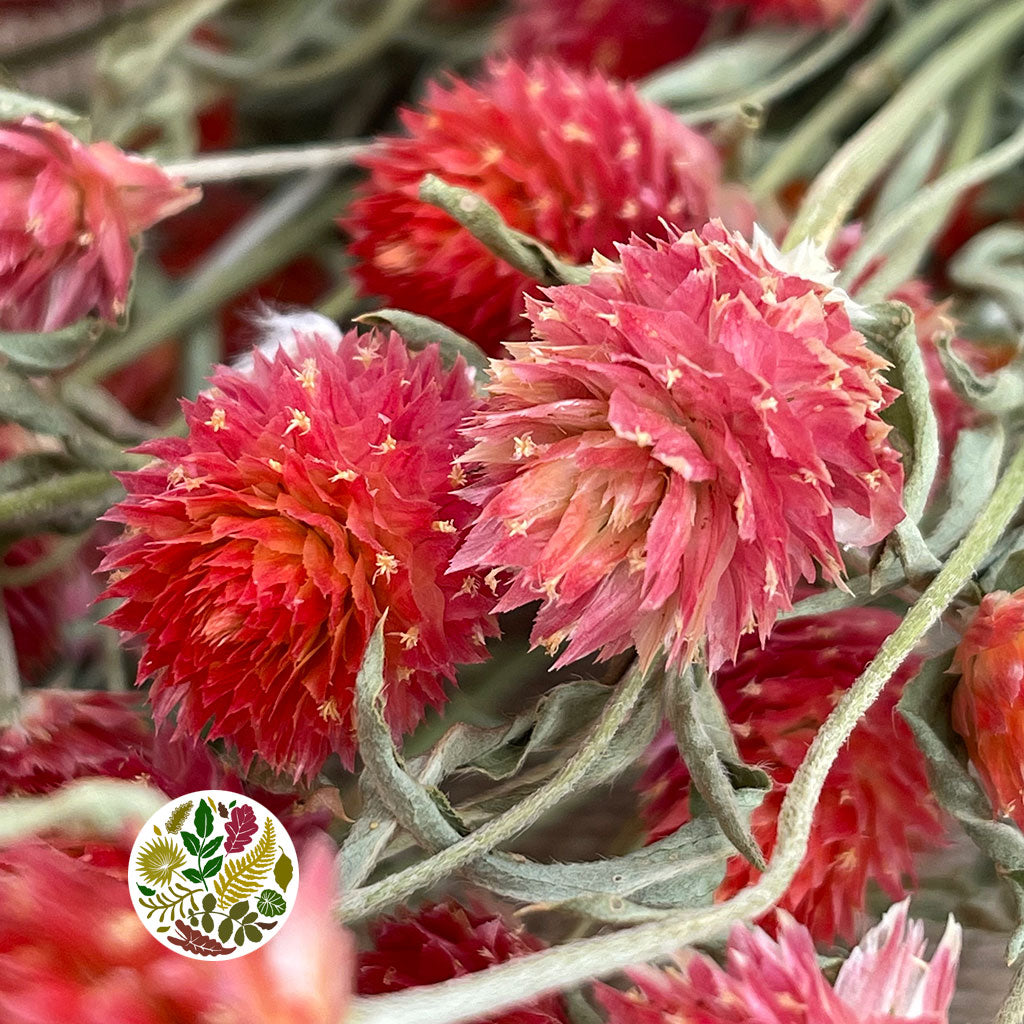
<point x="73" y="949"/>
<point x="575" y="160"/>
<point x="309" y="497"/>
<point x="619" y="38"/>
<point x="885" y="980"/>
<point x="54" y="736"/>
<point x="988" y="702"/>
<point x="70" y="211"/>
<point x="683" y="438"/>
<point x="875" y="809"/>
<point x="447" y="940"/>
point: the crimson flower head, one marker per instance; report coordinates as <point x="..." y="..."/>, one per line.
<point x="684" y="437"/>
<point x="446" y="940"/>
<point x="885" y="980"/>
<point x="615" y="37"/>
<point x="988" y="702"/>
<point x="575" y="160"/>
<point x="310" y="496"/>
<point x="69" y="212"/>
<point x="875" y="808"/>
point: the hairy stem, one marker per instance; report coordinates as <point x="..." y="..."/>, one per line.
<point x="266" y="163"/>
<point x="524" y="978"/>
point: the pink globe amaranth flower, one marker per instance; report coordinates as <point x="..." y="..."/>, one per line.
<point x="686" y="436"/>
<point x="446" y="940"/>
<point x="575" y="160"/>
<point x="53" y="736"/>
<point x="885" y="980"/>
<point x="875" y="808"/>
<point x="619" y="38"/>
<point x="988" y="702"/>
<point x="68" y="212"/>
<point x="73" y="949"/>
<point x="309" y="497"/>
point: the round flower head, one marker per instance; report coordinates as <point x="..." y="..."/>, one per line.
<point x="310" y="496"/>
<point x="885" y="980"/>
<point x="610" y="36"/>
<point x="53" y="736"/>
<point x="686" y="436"/>
<point x="988" y="702"/>
<point x="577" y="161"/>
<point x="875" y="807"/>
<point x="443" y="941"/>
<point x="69" y="212"/>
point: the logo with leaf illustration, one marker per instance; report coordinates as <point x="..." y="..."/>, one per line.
<point x="213" y="874"/>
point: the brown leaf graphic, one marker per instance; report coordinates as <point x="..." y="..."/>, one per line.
<point x="192" y="940"/>
<point x="240" y="829"/>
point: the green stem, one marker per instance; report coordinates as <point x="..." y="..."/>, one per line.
<point x="10" y="678"/>
<point x="205" y="296"/>
<point x="845" y="178"/>
<point x="865" y="85"/>
<point x="524" y="978"/>
<point x="939" y="194"/>
<point x="266" y="163"/>
<point x="48" y="498"/>
<point x="366" y="901"/>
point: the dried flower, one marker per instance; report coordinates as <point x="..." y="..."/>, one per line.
<point x="446" y="940"/>
<point x="875" y="808"/>
<point x="885" y="980"/>
<point x="59" y="735"/>
<point x="70" y="211"/>
<point x="576" y="161"/>
<point x="704" y="428"/>
<point x="988" y="703"/>
<point x="281" y="529"/>
<point x="610" y="36"/>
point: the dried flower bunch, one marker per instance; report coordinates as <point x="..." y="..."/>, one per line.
<point x="564" y="460"/>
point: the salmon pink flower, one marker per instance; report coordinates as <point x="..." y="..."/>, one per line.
<point x="875" y="809"/>
<point x="68" y="212"/>
<point x="614" y="37"/>
<point x="311" y="494"/>
<point x="885" y="980"/>
<point x="684" y="437"/>
<point x="575" y="160"/>
<point x="443" y="941"/>
<point x="988" y="702"/>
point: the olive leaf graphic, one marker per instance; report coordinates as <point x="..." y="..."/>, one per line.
<point x="177" y="818"/>
<point x="159" y="859"/>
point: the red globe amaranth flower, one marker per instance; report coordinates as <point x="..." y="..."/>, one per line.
<point x="684" y="438"/>
<point x="619" y="38"/>
<point x="875" y="807"/>
<point x="988" y="702"/>
<point x="57" y="735"/>
<point x="885" y="980"/>
<point x="73" y="949"/>
<point x="446" y="940"/>
<point x="69" y="213"/>
<point x="577" y="161"/>
<point x="309" y="497"/>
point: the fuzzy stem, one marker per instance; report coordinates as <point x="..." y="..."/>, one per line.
<point x="10" y="679"/>
<point x="265" y="163"/>
<point x="1012" y="1010"/>
<point x="94" y="487"/>
<point x="937" y="194"/>
<point x="89" y="807"/>
<point x="524" y="978"/>
<point x="854" y="167"/>
<point x="366" y="901"/>
<point x="867" y="83"/>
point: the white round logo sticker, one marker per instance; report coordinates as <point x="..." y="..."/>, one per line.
<point x="213" y="875"/>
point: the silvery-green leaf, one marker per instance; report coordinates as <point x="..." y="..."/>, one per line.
<point x="45" y="351"/>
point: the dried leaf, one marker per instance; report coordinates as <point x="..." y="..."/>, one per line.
<point x="240" y="829"/>
<point x="194" y="941"/>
